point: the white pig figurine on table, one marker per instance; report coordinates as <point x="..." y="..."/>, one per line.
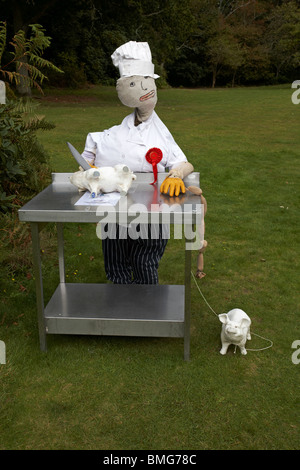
<point x="105" y="179"/>
<point x="235" y="329"/>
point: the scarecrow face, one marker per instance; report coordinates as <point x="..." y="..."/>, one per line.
<point x="137" y="92"/>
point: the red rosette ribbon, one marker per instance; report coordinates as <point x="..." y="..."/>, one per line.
<point x="154" y="156"/>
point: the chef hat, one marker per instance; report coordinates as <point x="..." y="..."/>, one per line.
<point x="134" y="58"/>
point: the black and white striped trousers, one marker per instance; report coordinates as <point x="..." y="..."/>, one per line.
<point x="129" y="260"/>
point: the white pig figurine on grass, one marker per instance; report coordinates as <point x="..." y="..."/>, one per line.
<point x="104" y="180"/>
<point x="235" y="329"/>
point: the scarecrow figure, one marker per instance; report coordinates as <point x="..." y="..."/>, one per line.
<point x="145" y="144"/>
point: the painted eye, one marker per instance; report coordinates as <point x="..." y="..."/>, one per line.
<point x="132" y="84"/>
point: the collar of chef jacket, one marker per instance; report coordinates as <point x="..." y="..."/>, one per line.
<point x="136" y="132"/>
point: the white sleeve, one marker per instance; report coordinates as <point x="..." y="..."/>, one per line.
<point x="175" y="154"/>
<point x="90" y="148"/>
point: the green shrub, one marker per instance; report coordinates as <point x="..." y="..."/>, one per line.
<point x="23" y="160"/>
<point x="24" y="171"/>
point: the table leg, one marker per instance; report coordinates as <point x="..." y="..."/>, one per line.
<point x="38" y="284"/>
<point x="187" y="304"/>
<point x="61" y="259"/>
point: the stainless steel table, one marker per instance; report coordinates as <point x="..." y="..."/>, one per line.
<point x="123" y="310"/>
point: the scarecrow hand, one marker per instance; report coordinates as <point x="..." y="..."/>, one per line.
<point x="176" y="185"/>
<point x="82" y="169"/>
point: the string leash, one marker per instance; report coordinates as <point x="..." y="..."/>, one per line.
<point x="254" y="334"/>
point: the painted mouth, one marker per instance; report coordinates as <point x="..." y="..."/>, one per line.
<point x="149" y="95"/>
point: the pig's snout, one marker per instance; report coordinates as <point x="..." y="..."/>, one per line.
<point x="232" y="330"/>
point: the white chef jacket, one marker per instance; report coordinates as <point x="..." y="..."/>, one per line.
<point x="128" y="144"/>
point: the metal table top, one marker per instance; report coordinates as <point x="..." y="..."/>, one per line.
<point x="56" y="203"/>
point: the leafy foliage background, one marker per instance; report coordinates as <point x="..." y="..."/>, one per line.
<point x="194" y="43"/>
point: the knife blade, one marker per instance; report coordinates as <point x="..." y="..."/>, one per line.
<point x="79" y="159"/>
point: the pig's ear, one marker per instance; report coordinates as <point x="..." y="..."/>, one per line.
<point x="245" y="323"/>
<point x="223" y="317"/>
<point x="125" y="169"/>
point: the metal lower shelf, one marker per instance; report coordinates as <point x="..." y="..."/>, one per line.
<point x="116" y="310"/>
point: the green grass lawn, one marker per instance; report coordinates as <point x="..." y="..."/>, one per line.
<point x="139" y="393"/>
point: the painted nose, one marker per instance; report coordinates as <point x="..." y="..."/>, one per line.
<point x="143" y="87"/>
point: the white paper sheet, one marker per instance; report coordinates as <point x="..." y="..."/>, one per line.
<point x="108" y="199"/>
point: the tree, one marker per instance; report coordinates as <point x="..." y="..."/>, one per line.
<point x="283" y="36"/>
<point x="244" y="41"/>
<point x="224" y="51"/>
<point x="27" y="58"/>
<point x="20" y="15"/>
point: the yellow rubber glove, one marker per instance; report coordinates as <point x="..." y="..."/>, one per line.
<point x="174" y="184"/>
<point x="92" y="166"/>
